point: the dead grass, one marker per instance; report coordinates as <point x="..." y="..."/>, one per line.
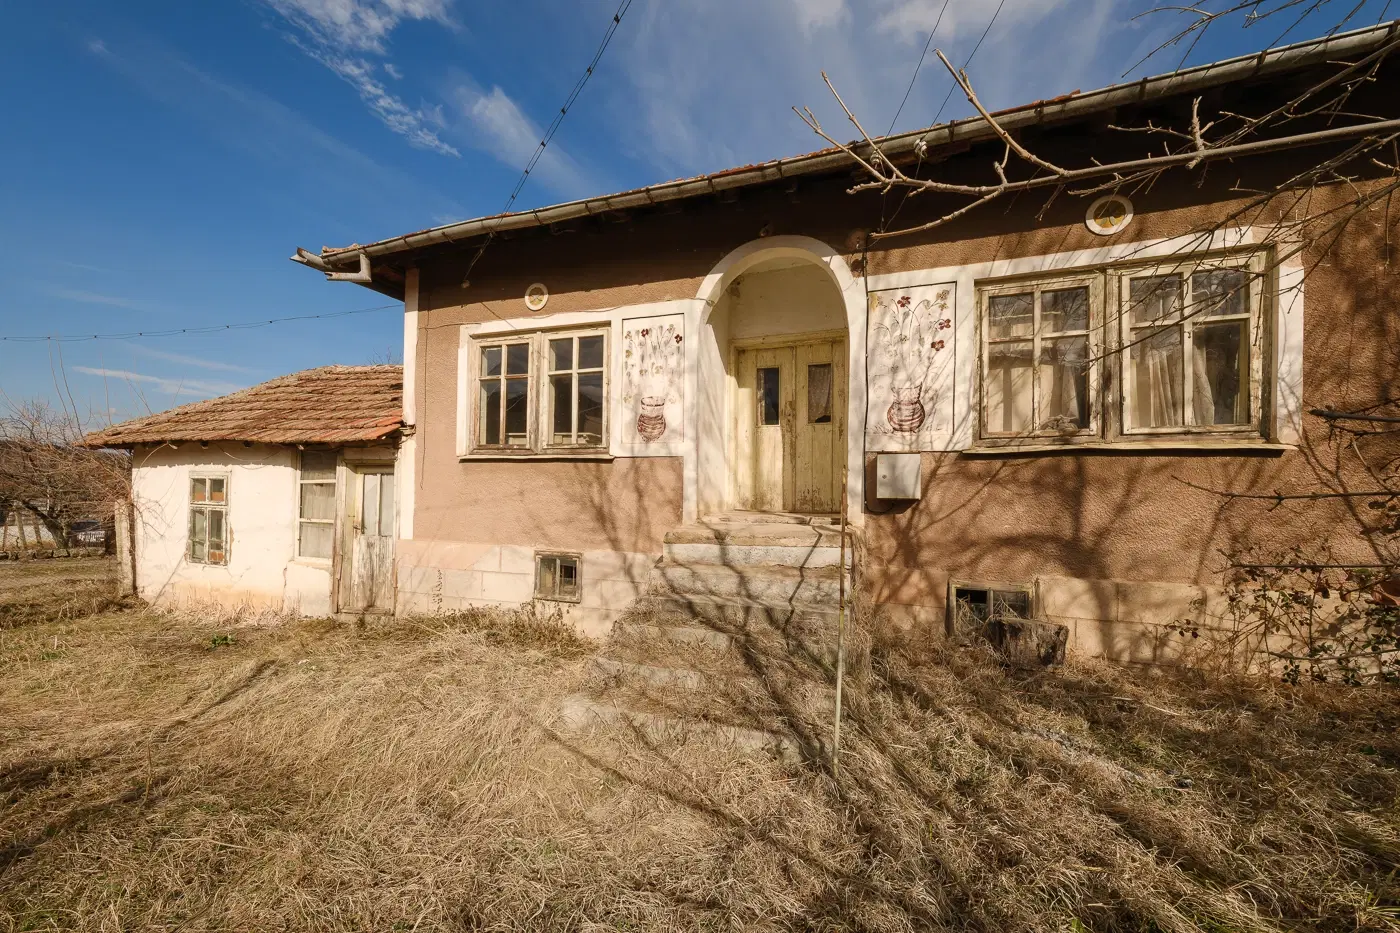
<point x="56" y="590"/>
<point x="407" y="776"/>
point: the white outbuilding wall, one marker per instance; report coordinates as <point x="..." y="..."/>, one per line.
<point x="263" y="569"/>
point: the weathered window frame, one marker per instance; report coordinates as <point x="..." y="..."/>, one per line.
<point x="197" y="548"/>
<point x="993" y="590"/>
<point x="549" y="373"/>
<point x="1257" y="348"/>
<point x="302" y="519"/>
<point x="539" y="417"/>
<point x="554" y="589"/>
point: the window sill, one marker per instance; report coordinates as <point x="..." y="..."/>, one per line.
<point x="1218" y="445"/>
<point x="600" y="455"/>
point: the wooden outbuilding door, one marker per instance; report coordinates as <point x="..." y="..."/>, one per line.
<point x="790" y="426"/>
<point x="370" y="507"/>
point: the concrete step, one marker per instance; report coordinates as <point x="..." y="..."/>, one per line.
<point x="768" y="584"/>
<point x="785" y="518"/>
<point x="732" y="628"/>
<point x="655" y="675"/>
<point x="675" y="631"/>
<point x="582" y="712"/>
<point x="735" y="614"/>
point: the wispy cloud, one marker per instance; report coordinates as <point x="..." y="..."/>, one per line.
<point x="494" y="123"/>
<point x="190" y="387"/>
<point x="392" y="71"/>
<point x="95" y="298"/>
<point x="198" y="361"/>
<point x="348" y="35"/>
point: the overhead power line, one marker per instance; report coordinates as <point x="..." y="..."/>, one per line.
<point x="917" y="68"/>
<point x="553" y="128"/>
<point x="967" y="64"/>
<point x="202" y="329"/>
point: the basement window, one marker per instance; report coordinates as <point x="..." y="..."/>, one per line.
<point x="974" y="605"/>
<point x="208" y="542"/>
<point x="557" y="577"/>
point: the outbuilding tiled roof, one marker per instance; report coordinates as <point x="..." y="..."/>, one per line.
<point x="330" y="405"/>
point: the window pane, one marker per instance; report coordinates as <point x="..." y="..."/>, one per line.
<point x="199" y="490"/>
<point x="315" y="540"/>
<point x="369" y="504"/>
<point x="568" y="579"/>
<point x="561" y="398"/>
<point x="1218" y="292"/>
<point x="545" y="576"/>
<point x="216" y="536"/>
<point x="386" y="505"/>
<point x="216" y="490"/>
<point x="517" y="412"/>
<point x="768" y="395"/>
<point x="1011" y="603"/>
<point x="590" y="409"/>
<point x="590" y="352"/>
<point x="1010" y="315"/>
<point x="561" y="354"/>
<point x="1156" y="374"/>
<point x="518" y="359"/>
<point x="491" y="361"/>
<point x="490" y="419"/>
<point x="1064" y="384"/>
<point x="1065" y="309"/>
<point x="819" y="393"/>
<point x="1154" y="298"/>
<point x="1008" y="388"/>
<point x="318" y="500"/>
<point x="318" y="464"/>
<point x="199" y="534"/>
<point x="1219" y="386"/>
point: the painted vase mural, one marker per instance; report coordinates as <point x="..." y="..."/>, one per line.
<point x="906" y="413"/>
<point x="908" y="339"/>
<point x="652" y="370"/>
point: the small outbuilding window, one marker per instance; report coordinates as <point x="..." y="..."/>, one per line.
<point x="316" y="504"/>
<point x="557" y="577"/>
<point x="208" y="520"/>
<point x="974" y="605"/>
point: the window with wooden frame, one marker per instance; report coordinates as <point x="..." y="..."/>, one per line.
<point x="972" y="605"/>
<point x="557" y="577"/>
<point x="208" y="537"/>
<point x="316" y="504"/>
<point x="1193" y="347"/>
<point x="541" y="393"/>
<point x="1038" y="339"/>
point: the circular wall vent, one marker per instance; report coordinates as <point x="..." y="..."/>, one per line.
<point x="536" y="296"/>
<point x="1109" y="214"/>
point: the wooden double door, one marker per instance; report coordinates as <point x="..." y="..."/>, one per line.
<point x="790" y="425"/>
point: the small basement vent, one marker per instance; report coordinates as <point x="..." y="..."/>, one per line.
<point x="557" y="577"/>
<point x="974" y="606"/>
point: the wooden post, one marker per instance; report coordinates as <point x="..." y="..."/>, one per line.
<point x="840" y="633"/>
<point x="125" y="530"/>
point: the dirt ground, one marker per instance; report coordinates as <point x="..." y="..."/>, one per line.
<point x="163" y="771"/>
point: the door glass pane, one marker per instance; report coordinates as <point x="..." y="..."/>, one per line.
<point x="318" y="500"/>
<point x="517" y="412"/>
<point x="590" y="352"/>
<point x="1154" y="298"/>
<point x="490" y="412"/>
<point x="318" y="464"/>
<point x="769" y="399"/>
<point x="590" y="409"/>
<point x="1219" y="393"/>
<point x="491" y="361"/>
<point x="386" y="505"/>
<point x="1065" y="309"/>
<point x="1010" y="315"/>
<point x="518" y="359"/>
<point x="1064" y="384"/>
<point x="561" y="354"/>
<point x="369" y="507"/>
<point x="1218" y="292"/>
<point x="561" y="404"/>
<point x="819" y="393"/>
<point x="1155" y="364"/>
<point x="1008" y="387"/>
<point x="315" y="540"/>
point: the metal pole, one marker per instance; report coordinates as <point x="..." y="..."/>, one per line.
<point x="840" y="633"/>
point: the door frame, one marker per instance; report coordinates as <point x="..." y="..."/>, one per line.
<point x="737" y="346"/>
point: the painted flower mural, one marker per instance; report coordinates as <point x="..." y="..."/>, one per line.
<point x="907" y="339"/>
<point x="652" y="366"/>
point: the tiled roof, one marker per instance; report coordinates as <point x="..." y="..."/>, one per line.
<point x="330" y="405"/>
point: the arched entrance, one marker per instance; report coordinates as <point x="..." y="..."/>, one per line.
<point x="778" y="417"/>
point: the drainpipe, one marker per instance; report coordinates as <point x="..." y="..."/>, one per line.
<point x="308" y="258"/>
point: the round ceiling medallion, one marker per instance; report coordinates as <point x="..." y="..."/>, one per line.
<point x="536" y="296"/>
<point x="1109" y="214"/>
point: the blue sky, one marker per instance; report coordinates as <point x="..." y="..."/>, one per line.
<point x="161" y="160"/>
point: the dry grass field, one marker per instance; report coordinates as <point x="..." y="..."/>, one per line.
<point x="190" y="772"/>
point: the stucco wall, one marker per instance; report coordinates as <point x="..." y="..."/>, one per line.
<point x="782" y="302"/>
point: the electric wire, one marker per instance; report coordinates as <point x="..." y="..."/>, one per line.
<point x="917" y="68"/>
<point x="202" y="329"/>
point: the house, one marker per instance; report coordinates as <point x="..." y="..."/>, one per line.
<point x="675" y="386"/>
<point x="280" y="496"/>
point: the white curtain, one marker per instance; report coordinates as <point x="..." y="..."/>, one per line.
<point x="1158" y="388"/>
